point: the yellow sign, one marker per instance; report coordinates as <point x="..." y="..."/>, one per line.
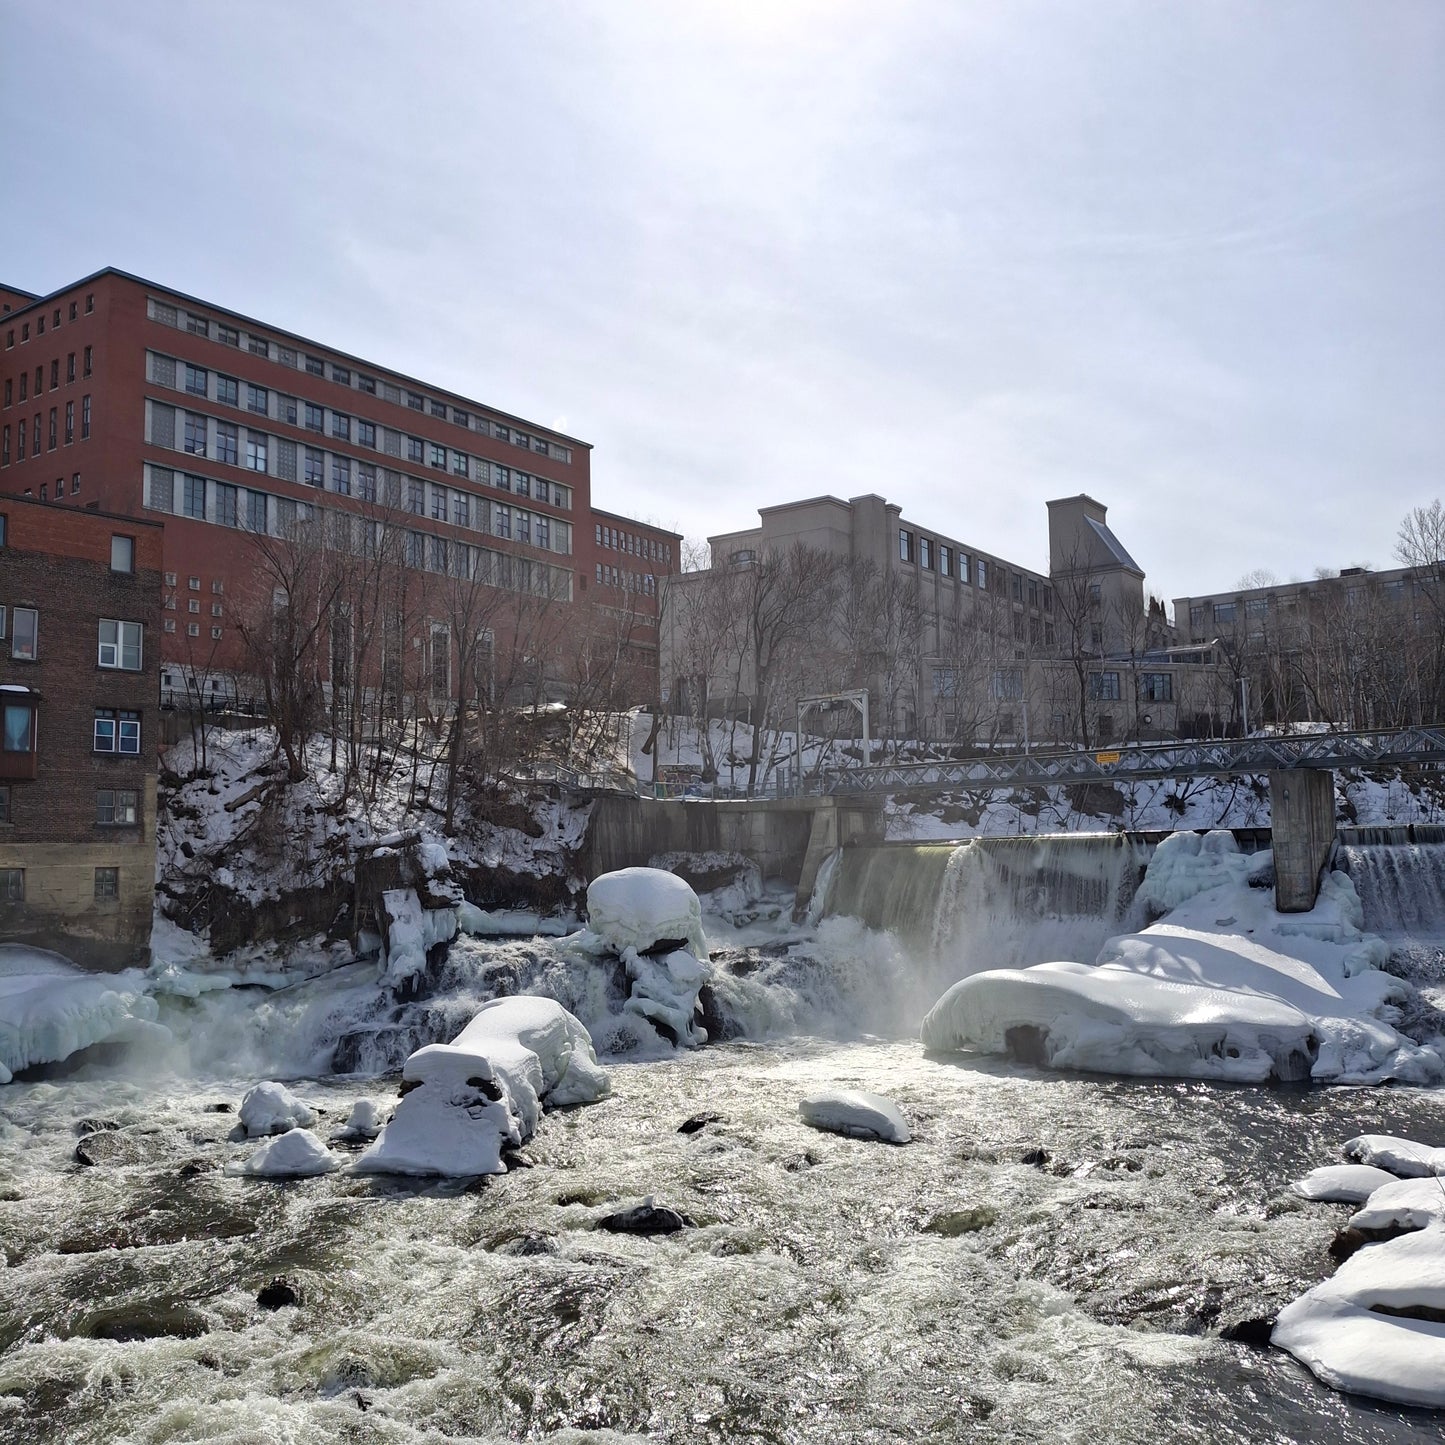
<point x="1103" y="759"/>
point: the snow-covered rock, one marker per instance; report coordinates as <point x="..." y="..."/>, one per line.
<point x="411" y="932"/>
<point x="467" y="1100"/>
<point x="1402" y="1157"/>
<point x="1223" y="988"/>
<point x="296" y="1154"/>
<point x="1186" y="864"/>
<point x="1341" y="1183"/>
<point x="273" y="1109"/>
<point x="854" y="1112"/>
<point x="1403" y="1204"/>
<point x="1338" y="1332"/>
<point x="50" y="1009"/>
<point x="364" y="1121"/>
<point x="665" y="990"/>
<point x="641" y="908"/>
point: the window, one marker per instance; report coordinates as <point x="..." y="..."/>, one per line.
<point x="315" y="417"/>
<point x="286" y="409"/>
<point x="75" y="484"/>
<point x="366" y="384"/>
<point x="1156" y="686"/>
<point x="461" y="509"/>
<point x="1224" y="612"/>
<point x="438" y="456"/>
<point x="439" y="408"/>
<point x="70" y="368"/>
<point x="439" y="504"/>
<point x="259" y="346"/>
<point x="255" y="452"/>
<point x="117" y="732"/>
<point x="193" y="629"/>
<point x="12" y="885"/>
<point x="55" y="373"/>
<point x="24" y="386"/>
<point x="439" y="554"/>
<point x="5" y="803"/>
<point x="314" y="366"/>
<point x="226" y="435"/>
<point x="1048" y="598"/>
<point x="17" y="727"/>
<point x="341" y="475"/>
<point x="256" y="511"/>
<point x="197" y="380"/>
<point x="74" y="306"/>
<point x="107" y="884"/>
<point x="365" y="482"/>
<point x="340" y="426"/>
<point x="258" y="399"/>
<point x="227" y="500"/>
<point x="905" y="545"/>
<point x="228" y="335"/>
<point x="1104" y="687"/>
<point x="366" y="433"/>
<point x="441" y="662"/>
<point x="70" y="422"/>
<point x="117" y="807"/>
<point x="925" y="553"/>
<point x="981" y="574"/>
<point x="415" y="496"/>
<point x="459" y="464"/>
<point x="502" y="478"/>
<point x="120" y="644"/>
<point x="54" y="428"/>
<point x="228" y="390"/>
<point x="24" y="633"/>
<point x="193" y="584"/>
<point x="544" y="532"/>
<point x="197" y="325"/>
<point x="413" y="449"/>
<point x="502" y="521"/>
<point x="86" y="370"/>
<point x="1008" y="683"/>
<point x="945" y="560"/>
<point x="40" y="324"/>
<point x="311" y="472"/>
<point x="122" y="554"/>
<point x="414" y="401"/>
<point x="415" y="549"/>
<point x="195" y="498"/>
<point x="341" y="374"/>
<point x="523" y="484"/>
<point x="195" y="434"/>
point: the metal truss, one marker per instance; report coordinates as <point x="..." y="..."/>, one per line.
<point x="1144" y="761"/>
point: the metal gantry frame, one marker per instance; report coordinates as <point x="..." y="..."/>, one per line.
<point x="858" y="700"/>
<point x="1145" y="761"/>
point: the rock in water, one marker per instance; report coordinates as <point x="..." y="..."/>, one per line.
<point x="278" y="1294"/>
<point x="644" y="908"/>
<point x="645" y="1218"/>
<point x="857" y="1114"/>
<point x="296" y="1154"/>
<point x="273" y="1109"/>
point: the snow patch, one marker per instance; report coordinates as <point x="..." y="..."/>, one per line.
<point x="1341" y="1183"/>
<point x="1402" y="1157"/>
<point x="272" y="1108"/>
<point x="856" y="1113"/>
<point x="296" y="1154"/>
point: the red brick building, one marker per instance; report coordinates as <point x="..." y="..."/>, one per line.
<point x="79" y="622"/>
<point x="119" y="393"/>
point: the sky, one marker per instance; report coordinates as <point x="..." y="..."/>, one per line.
<point x="1188" y="258"/>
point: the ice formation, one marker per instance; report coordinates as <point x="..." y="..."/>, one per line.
<point x="1342" y="1183"/>
<point x="50" y="1009"/>
<point x="1223" y="988"/>
<point x="273" y="1109"/>
<point x="510" y="923"/>
<point x="665" y="990"/>
<point x="856" y="1113"/>
<point x="465" y="1101"/>
<point x="295" y="1154"/>
<point x="412" y="931"/>
<point x="641" y="908"/>
<point x="364" y="1121"/>
<point x="1400" y="1156"/>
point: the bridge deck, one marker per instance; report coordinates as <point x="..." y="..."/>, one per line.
<point x="1154" y="761"/>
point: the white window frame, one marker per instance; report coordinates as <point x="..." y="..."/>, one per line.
<point x="112" y="653"/>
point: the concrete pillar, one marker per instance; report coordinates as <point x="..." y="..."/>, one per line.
<point x="1302" y="816"/>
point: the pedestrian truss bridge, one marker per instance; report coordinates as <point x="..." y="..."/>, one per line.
<point x="1144" y="761"/>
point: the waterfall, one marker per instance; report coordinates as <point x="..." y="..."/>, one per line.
<point x="1399" y="874"/>
<point x="994" y="902"/>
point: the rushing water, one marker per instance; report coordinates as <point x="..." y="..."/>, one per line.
<point x="1399" y="874"/>
<point x="1052" y="1258"/>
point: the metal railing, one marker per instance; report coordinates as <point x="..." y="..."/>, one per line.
<point x="1144" y="761"/>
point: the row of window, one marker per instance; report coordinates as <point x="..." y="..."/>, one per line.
<point x="12" y="885"/>
<point x="197" y="428"/>
<point x="950" y="561"/>
<point x="52" y="433"/>
<point x="9" y="396"/>
<point x="649" y="548"/>
<point x="344" y="375"/>
<point x="640" y="582"/>
<point x="1007" y="685"/>
<point x="74" y="312"/>
<point x="227" y="505"/>
<point x="120" y="643"/>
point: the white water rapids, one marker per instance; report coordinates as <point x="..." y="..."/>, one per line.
<point x="1053" y="1257"/>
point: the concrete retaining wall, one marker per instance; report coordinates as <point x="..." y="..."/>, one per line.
<point x="1302" y="811"/>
